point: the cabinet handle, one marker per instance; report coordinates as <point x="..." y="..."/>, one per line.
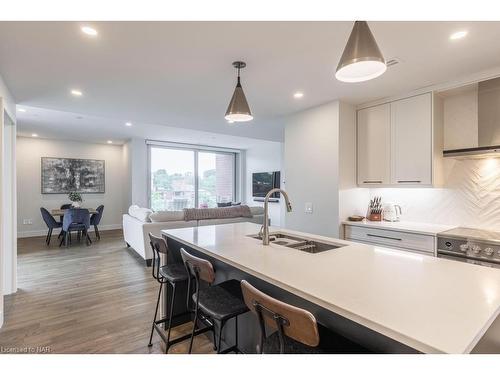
<point x="409" y="181"/>
<point x="384" y="237"/>
<point x="372" y="182"/>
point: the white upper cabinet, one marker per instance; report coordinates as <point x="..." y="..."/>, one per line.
<point x="374" y="151"/>
<point x="397" y="143"/>
<point x="411" y="141"/>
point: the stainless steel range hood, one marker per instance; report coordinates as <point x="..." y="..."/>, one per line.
<point x="487" y="143"/>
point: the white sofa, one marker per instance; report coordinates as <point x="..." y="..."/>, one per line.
<point x="139" y="222"/>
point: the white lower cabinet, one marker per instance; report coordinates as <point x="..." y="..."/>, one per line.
<point x="420" y="243"/>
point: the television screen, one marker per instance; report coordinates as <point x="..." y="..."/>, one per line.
<point x="262" y="182"/>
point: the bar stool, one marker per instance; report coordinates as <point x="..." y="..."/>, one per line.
<point x="220" y="302"/>
<point x="171" y="274"/>
<point x="296" y="329"/>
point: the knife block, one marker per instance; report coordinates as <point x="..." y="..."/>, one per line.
<point x="374" y="217"/>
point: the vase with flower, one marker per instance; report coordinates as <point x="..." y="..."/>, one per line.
<point x="75" y="198"/>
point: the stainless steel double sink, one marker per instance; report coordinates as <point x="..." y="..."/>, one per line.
<point x="303" y="244"/>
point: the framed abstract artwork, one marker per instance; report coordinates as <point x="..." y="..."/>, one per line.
<point x="63" y="175"/>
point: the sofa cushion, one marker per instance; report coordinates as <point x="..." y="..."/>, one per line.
<point x="165" y="216"/>
<point x="217" y="213"/>
<point x="140" y="213"/>
<point x="256" y="210"/>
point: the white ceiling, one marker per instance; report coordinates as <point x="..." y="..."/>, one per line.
<point x="179" y="74"/>
<point x="47" y="123"/>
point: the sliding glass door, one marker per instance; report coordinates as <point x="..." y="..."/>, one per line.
<point x="185" y="178"/>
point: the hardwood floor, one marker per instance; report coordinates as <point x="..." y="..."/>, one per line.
<point x="85" y="299"/>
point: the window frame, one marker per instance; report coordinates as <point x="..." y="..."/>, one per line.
<point x="235" y="153"/>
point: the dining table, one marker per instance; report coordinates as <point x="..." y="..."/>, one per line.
<point x="61" y="212"/>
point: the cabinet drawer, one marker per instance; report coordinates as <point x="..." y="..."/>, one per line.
<point x="390" y="238"/>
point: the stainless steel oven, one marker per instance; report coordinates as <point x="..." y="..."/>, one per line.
<point x="470" y="245"/>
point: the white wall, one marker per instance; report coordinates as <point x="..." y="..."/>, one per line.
<point x="352" y="200"/>
<point x="30" y="199"/>
<point x="311" y="159"/>
<point x="8" y="100"/>
<point x="265" y="158"/>
<point x="9" y="207"/>
<point x="138" y="159"/>
<point x="8" y="248"/>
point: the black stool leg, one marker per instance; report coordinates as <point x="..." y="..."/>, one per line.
<point x="170" y="313"/>
<point x="236" y="331"/>
<point x="194" y="327"/>
<point x="156" y="313"/>
<point x="213" y="334"/>
<point x="220" y="336"/>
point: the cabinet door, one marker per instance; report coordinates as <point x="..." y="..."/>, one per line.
<point x="411" y="129"/>
<point x="374" y="134"/>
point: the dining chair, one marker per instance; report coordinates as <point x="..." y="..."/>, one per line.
<point x="64" y="207"/>
<point x="50" y="222"/>
<point x="76" y="219"/>
<point x="95" y="219"/>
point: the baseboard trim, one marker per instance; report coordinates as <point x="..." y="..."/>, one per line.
<point x="38" y="233"/>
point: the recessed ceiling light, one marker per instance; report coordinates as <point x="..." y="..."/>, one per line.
<point x="298" y="95"/>
<point x="110" y="142"/>
<point x="21" y="110"/>
<point x="76" y="93"/>
<point x="34" y="135"/>
<point x="89" y="30"/>
<point x="128" y="124"/>
<point x="230" y="121"/>
<point x="458" y="35"/>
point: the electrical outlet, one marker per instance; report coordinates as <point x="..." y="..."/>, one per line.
<point x="27" y="222"/>
<point x="308" y="208"/>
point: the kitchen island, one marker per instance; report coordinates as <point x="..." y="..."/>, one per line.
<point x="384" y="300"/>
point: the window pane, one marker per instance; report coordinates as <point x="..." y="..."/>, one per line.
<point x="215" y="179"/>
<point x="172" y="179"/>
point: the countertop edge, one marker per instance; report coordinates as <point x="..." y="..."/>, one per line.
<point x="387" y="226"/>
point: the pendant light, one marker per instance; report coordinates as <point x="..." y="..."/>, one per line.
<point x="362" y="59"/>
<point x="238" y="109"/>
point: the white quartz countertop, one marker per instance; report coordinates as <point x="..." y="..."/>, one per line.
<point x="402" y="226"/>
<point x="431" y="304"/>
